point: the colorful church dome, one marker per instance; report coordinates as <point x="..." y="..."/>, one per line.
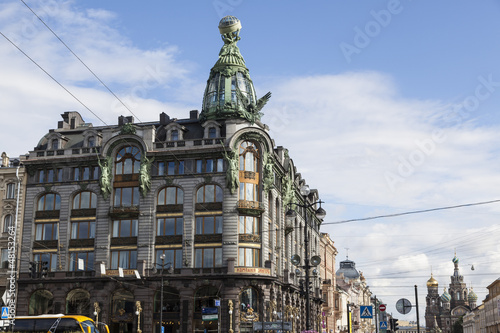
<point x="445" y="297"/>
<point x="472" y="298"/>
<point x="432" y="282"/>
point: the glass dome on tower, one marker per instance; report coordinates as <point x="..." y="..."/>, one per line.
<point x="230" y="92"/>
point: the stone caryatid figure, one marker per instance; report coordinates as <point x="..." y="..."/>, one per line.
<point x="105" y="180"/>
<point x="233" y="171"/>
<point x="268" y="180"/>
<point x="145" y="175"/>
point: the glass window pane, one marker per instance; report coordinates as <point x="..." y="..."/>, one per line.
<point x="57" y="202"/>
<point x="209" y="167"/>
<point x="199" y="164"/>
<point x="126" y="196"/>
<point x="199" y="195"/>
<point x="220" y="165"/>
<point x="49" y="201"/>
<point x="208" y="258"/>
<point x="161" y="168"/>
<point x="124" y="259"/>
<point x="180" y="196"/>
<point x="136" y="195"/>
<point x="178" y="258"/>
<point x="114" y="260"/>
<point x="209" y="193"/>
<point x="84" y="230"/>
<point x="125" y="228"/>
<point x="135" y="229"/>
<point x="169" y="226"/>
<point x="171" y="168"/>
<point x="93" y="200"/>
<point x="39" y="231"/>
<point x="161" y="197"/>
<point x="248" y="257"/>
<point x="159" y="227"/>
<point x="171" y="194"/>
<point x="218" y="224"/>
<point x="133" y="259"/>
<point x="181" y="167"/>
<point x="74" y="230"/>
<point x="85" y="201"/>
<point x="118" y="195"/>
<point x="218" y="194"/>
<point x="179" y="229"/>
<point x="92" y="230"/>
<point x="127" y="166"/>
<point x="199" y="225"/>
<point x="218" y="257"/>
<point x="116" y="228"/>
<point x="47" y="232"/>
<point x="249" y="161"/>
<point x="241" y="257"/>
<point x="209" y="225"/>
<point x="198" y="258"/>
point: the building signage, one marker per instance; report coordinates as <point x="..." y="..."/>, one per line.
<point x="272" y="326"/>
<point x="252" y="270"/>
<point x="209" y="314"/>
<point x="116" y="272"/>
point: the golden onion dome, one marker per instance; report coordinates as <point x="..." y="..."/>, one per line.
<point x="432" y="282"/>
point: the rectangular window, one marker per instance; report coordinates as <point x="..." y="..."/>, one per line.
<point x="76" y="173"/>
<point x="126" y="196"/>
<point x="45" y="231"/>
<point x="83" y="230"/>
<point x="169" y="226"/>
<point x="209" y="166"/>
<point x="50" y="176"/>
<point x="81" y="261"/>
<point x="41" y="176"/>
<point x="172" y="257"/>
<point x="220" y="165"/>
<point x="50" y="258"/>
<point x="125" y="228"/>
<point x="170" y="168"/>
<point x="8" y="222"/>
<point x="249" y="225"/>
<point x="86" y="173"/>
<point x="5" y="258"/>
<point x="248" y="257"/>
<point x="95" y="172"/>
<point x="208" y="225"/>
<point x="126" y="259"/>
<point x="181" y="168"/>
<point x="199" y="166"/>
<point x="161" y="168"/>
<point x="11" y="191"/>
<point x="208" y="257"/>
<point x="59" y="175"/>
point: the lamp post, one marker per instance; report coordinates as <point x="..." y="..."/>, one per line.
<point x="97" y="309"/>
<point x="315" y="260"/>
<point x="170" y="269"/>
<point x="138" y="310"/>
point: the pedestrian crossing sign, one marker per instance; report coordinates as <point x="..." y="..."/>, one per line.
<point x="5" y="312"/>
<point x="366" y="311"/>
<point x="383" y="325"/>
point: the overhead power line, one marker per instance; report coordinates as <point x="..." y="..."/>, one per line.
<point x="414" y="212"/>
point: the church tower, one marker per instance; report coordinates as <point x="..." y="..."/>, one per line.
<point x="432" y="303"/>
<point x="457" y="289"/>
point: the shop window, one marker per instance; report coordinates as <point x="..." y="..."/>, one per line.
<point x="78" y="303"/>
<point x="122" y="312"/>
<point x="41" y="302"/>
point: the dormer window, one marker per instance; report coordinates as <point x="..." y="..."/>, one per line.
<point x="174" y="135"/>
<point x="91" y="141"/>
<point x="55" y="144"/>
<point x="212" y="132"/>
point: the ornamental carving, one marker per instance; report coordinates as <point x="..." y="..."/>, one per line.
<point x="145" y="175"/>
<point x="249" y="238"/>
<point x="106" y="166"/>
<point x="232" y="172"/>
<point x="208" y="238"/>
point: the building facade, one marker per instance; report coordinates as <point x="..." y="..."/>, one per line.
<point x="492" y="308"/>
<point x="449" y="307"/>
<point x="12" y="190"/>
<point x="168" y="221"/>
<point x="329" y="253"/>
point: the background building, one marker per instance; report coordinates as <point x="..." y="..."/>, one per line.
<point x="164" y="218"/>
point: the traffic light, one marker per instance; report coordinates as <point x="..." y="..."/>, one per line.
<point x="394" y="324"/>
<point x="45" y="268"/>
<point x="33" y="270"/>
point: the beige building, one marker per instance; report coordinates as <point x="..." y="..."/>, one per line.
<point x="492" y="308"/>
<point x="328" y="255"/>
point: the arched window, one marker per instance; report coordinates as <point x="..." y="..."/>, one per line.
<point x="249" y="156"/>
<point x="174" y="135"/>
<point x="55" y="144"/>
<point x="8" y="221"/>
<point x="78" y="302"/>
<point x="85" y="200"/>
<point x="122" y="311"/>
<point x="41" y="302"/>
<point x="170" y="196"/>
<point x="204" y="297"/>
<point x="128" y="161"/>
<point x="209" y="193"/>
<point x="49" y="201"/>
<point x="249" y="172"/>
<point x="91" y="141"/>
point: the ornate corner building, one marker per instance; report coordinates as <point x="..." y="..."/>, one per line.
<point x="442" y="311"/>
<point x="174" y="214"/>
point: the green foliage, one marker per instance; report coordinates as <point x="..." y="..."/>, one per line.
<point x="458" y="326"/>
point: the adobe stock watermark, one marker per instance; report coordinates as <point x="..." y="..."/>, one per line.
<point x="363" y="37"/>
<point x="223" y="7"/>
<point x="408" y="165"/>
<point x="30" y="28"/>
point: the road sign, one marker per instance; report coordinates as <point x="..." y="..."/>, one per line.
<point x="5" y="312"/>
<point x="217" y="302"/>
<point x="383" y="325"/>
<point x="381" y="307"/>
<point x="403" y="306"/>
<point x="366" y="311"/>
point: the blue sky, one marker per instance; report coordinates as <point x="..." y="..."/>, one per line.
<point x="385" y="106"/>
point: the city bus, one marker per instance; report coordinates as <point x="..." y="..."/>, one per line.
<point x="56" y="323"/>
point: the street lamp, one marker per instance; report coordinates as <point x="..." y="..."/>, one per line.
<point x="138" y="310"/>
<point x="170" y="270"/>
<point x="315" y="260"/>
<point x="97" y="309"/>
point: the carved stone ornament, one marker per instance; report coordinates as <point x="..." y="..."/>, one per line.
<point x="232" y="173"/>
<point x="106" y="166"/>
<point x="145" y="175"/>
